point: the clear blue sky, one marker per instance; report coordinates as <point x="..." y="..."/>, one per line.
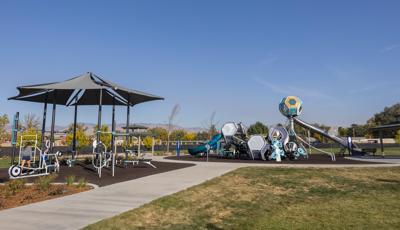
<point x="238" y="58"/>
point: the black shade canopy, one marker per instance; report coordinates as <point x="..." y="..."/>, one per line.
<point x="86" y="90"/>
<point x="136" y="126"/>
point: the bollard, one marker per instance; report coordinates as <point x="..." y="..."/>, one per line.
<point x="178" y="148"/>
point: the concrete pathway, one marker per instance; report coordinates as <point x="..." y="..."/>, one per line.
<point x="79" y="210"/>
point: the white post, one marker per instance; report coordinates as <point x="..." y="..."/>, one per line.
<point x="278" y="157"/>
<point x="113" y="159"/>
<point x="140" y="141"/>
<point x="309" y="141"/>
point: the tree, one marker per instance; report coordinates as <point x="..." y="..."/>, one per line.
<point x="30" y="122"/>
<point x="398" y="136"/>
<point x="212" y="131"/>
<point x="257" y="128"/>
<point x="177" y="135"/>
<point x="189" y="137"/>
<point x="159" y="133"/>
<point x="389" y="115"/>
<point x="318" y="136"/>
<point x="82" y="139"/>
<point x="343" y="132"/>
<point x="171" y="118"/>
<point x="202" y="136"/>
<point x="211" y="125"/>
<point x="3" y="132"/>
<point x="357" y="130"/>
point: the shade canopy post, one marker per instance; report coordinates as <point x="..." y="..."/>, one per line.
<point x="113" y="126"/>
<point x="74" y="130"/>
<point x="44" y="121"/>
<point x="128" y="114"/>
<point x="99" y="115"/>
<point x="53" y="122"/>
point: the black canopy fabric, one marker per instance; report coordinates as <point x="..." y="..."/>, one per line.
<point x="59" y="97"/>
<point x="86" y="90"/>
<point x="136" y="126"/>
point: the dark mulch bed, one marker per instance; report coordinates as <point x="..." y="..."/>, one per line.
<point x="313" y="159"/>
<point x="121" y="174"/>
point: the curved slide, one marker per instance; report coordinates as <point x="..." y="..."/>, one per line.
<point x="213" y="143"/>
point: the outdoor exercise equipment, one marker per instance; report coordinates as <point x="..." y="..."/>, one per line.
<point x="85" y="89"/>
<point x="14" y="136"/>
<point x="101" y="157"/>
<point x="42" y="162"/>
<point x="136" y="156"/>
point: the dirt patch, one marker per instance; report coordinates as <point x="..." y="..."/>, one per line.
<point x="27" y="194"/>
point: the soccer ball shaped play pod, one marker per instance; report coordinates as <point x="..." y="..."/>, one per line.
<point x="14" y="171"/>
<point x="291" y="106"/>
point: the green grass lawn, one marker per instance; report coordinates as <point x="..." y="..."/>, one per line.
<point x="276" y="198"/>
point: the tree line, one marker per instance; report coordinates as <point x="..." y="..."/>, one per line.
<point x="390" y="115"/>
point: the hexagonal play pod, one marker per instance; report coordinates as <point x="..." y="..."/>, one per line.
<point x="291" y="106"/>
<point x="229" y="129"/>
<point x="258" y="146"/>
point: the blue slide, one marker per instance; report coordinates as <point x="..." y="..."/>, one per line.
<point x="213" y="143"/>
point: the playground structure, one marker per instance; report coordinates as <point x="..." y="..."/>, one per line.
<point x="280" y="143"/>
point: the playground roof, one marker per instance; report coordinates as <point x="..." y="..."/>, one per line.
<point x="136" y="126"/>
<point x="386" y="127"/>
<point x="85" y="89"/>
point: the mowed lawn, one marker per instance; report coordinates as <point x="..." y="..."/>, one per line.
<point x="276" y="198"/>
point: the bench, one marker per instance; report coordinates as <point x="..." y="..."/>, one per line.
<point x="370" y="150"/>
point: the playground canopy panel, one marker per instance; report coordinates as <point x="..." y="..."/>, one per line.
<point x="90" y="85"/>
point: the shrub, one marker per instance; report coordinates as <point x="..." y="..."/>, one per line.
<point x="56" y="191"/>
<point x="13" y="186"/>
<point x="148" y="142"/>
<point x="82" y="183"/>
<point x="44" y="183"/>
<point x="70" y="180"/>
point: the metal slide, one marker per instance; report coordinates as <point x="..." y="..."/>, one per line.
<point x="336" y="139"/>
<point x="355" y="150"/>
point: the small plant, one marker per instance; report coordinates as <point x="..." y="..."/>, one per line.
<point x="44" y="183"/>
<point x="13" y="186"/>
<point x="70" y="180"/>
<point x="59" y="190"/>
<point x="82" y="183"/>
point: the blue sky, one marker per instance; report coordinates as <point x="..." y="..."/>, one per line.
<point x="238" y="58"/>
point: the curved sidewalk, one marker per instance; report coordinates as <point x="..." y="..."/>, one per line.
<point x="79" y="210"/>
